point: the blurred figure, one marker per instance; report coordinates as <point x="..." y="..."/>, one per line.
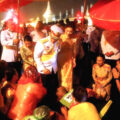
<point x="43" y="112"/>
<point x="116" y="74"/>
<point x="28" y="94"/>
<point x="81" y="109"/>
<point x="4" y="27"/>
<point x="29" y="28"/>
<point x="61" y="91"/>
<point x="27" y="51"/>
<point x="116" y="83"/>
<point x="3" y="66"/>
<point x="8" y="87"/>
<point x="95" y="48"/>
<point x="64" y="97"/>
<point x="102" y="76"/>
<point x="39" y="32"/>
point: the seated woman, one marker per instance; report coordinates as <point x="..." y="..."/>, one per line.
<point x="3" y="65"/>
<point x="116" y="74"/>
<point x="29" y="93"/>
<point x="116" y="83"/>
<point x="8" y="87"/>
<point x="102" y="76"/>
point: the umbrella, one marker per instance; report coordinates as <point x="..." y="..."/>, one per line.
<point x="13" y="4"/>
<point x="5" y="5"/>
<point x="105" y="14"/>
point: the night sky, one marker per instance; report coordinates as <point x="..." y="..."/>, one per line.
<point x="38" y="8"/>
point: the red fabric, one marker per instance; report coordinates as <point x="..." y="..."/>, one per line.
<point x="5" y="5"/>
<point x="105" y="14"/>
<point x="30" y="75"/>
<point x="28" y="94"/>
<point x="13" y="4"/>
<point x="28" y="80"/>
<point x="26" y="99"/>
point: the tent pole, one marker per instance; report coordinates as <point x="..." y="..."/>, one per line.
<point x="84" y="9"/>
<point x="84" y="12"/>
<point x="18" y="16"/>
<point x="85" y="6"/>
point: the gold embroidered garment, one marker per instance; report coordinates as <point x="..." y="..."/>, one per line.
<point x="65" y="62"/>
<point x="27" y="56"/>
<point x="102" y="77"/>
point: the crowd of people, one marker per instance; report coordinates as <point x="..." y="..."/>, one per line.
<point x="40" y="65"/>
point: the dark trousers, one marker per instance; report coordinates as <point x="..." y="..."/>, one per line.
<point x="50" y="82"/>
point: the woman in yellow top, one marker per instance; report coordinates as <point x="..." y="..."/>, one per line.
<point x="27" y="51"/>
<point x="102" y="76"/>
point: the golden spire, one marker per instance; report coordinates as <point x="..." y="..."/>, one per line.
<point x="48" y="15"/>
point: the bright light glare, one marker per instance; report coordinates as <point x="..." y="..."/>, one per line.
<point x="15" y="20"/>
<point x="90" y="22"/>
<point x="9" y="15"/>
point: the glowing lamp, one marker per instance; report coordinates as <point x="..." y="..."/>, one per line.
<point x="79" y="16"/>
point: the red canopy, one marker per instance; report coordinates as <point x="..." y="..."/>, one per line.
<point x="10" y="4"/>
<point x="105" y="14"/>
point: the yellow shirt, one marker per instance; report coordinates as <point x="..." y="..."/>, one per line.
<point x="102" y="74"/>
<point x="83" y="111"/>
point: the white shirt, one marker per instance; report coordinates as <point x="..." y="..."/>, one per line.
<point x="89" y="30"/>
<point x="7" y="38"/>
<point x="40" y="50"/>
<point x="36" y="36"/>
<point x="106" y="47"/>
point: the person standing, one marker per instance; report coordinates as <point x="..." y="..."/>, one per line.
<point x="66" y="58"/>
<point x="45" y="56"/>
<point x="10" y="44"/>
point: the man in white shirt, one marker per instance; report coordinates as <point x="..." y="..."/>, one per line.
<point x="10" y="44"/>
<point x="45" y="56"/>
<point x="46" y="51"/>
